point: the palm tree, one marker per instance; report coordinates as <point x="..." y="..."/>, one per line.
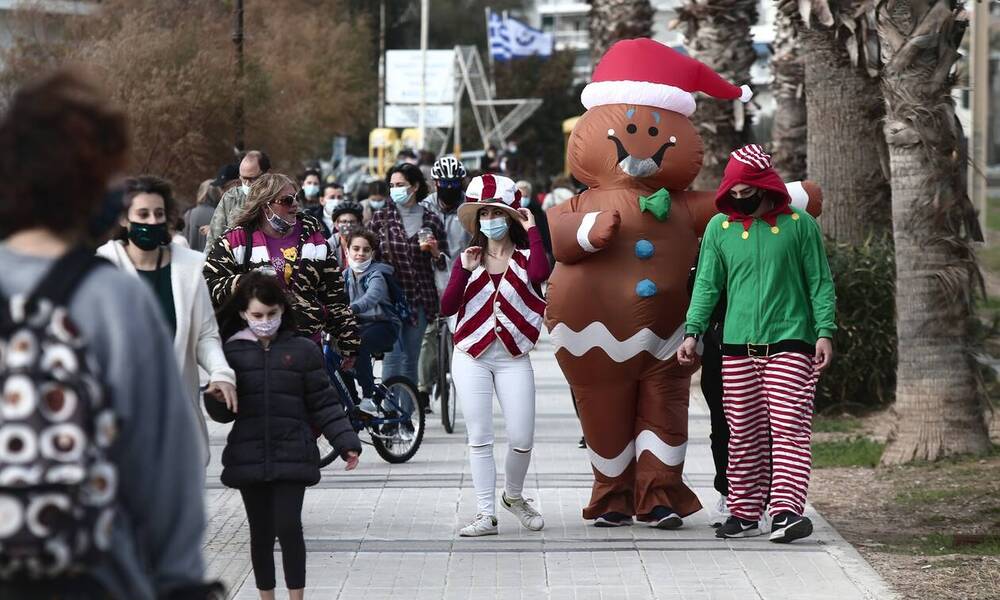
<point x="613" y="20"/>
<point x="717" y="32"/>
<point x="788" y="133"/>
<point x="938" y="399"/>
<point x="844" y="107"/>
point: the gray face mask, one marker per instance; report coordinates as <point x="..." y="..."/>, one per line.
<point x="278" y="224"/>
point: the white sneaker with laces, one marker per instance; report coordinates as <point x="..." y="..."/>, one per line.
<point x="721" y="512"/>
<point x="521" y="508"/>
<point x="480" y="526"/>
<point x="367" y="406"/>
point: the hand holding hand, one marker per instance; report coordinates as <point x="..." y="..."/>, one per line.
<point x="223" y="391"/>
<point x="687" y="353"/>
<point x="472" y="257"/>
<point x="351" y="460"/>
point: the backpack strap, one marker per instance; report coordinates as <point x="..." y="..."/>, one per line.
<point x="64" y="276"/>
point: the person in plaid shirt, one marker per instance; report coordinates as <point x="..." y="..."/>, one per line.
<point x="398" y="226"/>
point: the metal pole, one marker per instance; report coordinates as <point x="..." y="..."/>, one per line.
<point x="239" y="114"/>
<point x="979" y="81"/>
<point x="421" y="123"/>
<point x="459" y="89"/>
<point x="381" y="64"/>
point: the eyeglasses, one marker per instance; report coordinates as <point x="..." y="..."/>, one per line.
<point x="285" y="200"/>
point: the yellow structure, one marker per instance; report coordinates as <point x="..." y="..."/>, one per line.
<point x="383" y="145"/>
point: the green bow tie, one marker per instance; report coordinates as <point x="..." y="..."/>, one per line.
<point x="658" y="203"/>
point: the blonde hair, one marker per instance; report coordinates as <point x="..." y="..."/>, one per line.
<point x="264" y="190"/>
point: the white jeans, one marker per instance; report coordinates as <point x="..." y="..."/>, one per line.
<point x="513" y="380"/>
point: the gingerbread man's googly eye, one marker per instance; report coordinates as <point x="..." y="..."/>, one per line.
<point x="653" y="132"/>
<point x="631" y="128"/>
<point x="19" y="398"/>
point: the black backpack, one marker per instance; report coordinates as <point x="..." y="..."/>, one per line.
<point x="58" y="487"/>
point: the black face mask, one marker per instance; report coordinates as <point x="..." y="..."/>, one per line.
<point x="748" y="205"/>
<point x="147" y="236"/>
<point x="450" y="197"/>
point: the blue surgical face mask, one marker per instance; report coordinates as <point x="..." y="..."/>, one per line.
<point x="495" y="229"/>
<point x="311" y="190"/>
<point x="376" y="204"/>
<point x="245" y="189"/>
<point x="399" y="195"/>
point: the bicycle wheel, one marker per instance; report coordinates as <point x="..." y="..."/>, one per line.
<point x="392" y="440"/>
<point x="445" y="385"/>
<point x="327" y="453"/>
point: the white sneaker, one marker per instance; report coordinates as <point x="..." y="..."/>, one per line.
<point x="765" y="523"/>
<point x="721" y="512"/>
<point x="524" y="511"/>
<point x="367" y="406"/>
<point x="481" y="525"/>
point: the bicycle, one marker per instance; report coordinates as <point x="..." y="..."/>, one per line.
<point x="388" y="433"/>
<point x="444" y="386"/>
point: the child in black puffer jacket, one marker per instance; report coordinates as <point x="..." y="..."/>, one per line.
<point x="283" y="391"/>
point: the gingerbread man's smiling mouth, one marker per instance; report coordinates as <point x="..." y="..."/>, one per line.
<point x="639" y="167"/>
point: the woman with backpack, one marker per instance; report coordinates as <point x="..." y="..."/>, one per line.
<point x="494" y="289"/>
<point x="283" y="392"/>
<point x="369" y="292"/>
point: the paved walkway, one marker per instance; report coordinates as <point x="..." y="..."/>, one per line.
<point x="389" y="531"/>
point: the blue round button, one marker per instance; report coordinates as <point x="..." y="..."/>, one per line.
<point x="644" y="249"/>
<point x="645" y="288"/>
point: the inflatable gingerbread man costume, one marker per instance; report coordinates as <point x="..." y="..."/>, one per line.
<point x="618" y="295"/>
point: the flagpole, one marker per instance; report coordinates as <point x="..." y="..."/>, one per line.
<point x="424" y="14"/>
<point x="489" y="53"/>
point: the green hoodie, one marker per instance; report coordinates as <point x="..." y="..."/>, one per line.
<point x="777" y="279"/>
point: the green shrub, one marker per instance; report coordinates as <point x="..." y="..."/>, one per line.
<point x="863" y="374"/>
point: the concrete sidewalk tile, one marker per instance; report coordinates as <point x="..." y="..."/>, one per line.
<point x="390" y="531"/>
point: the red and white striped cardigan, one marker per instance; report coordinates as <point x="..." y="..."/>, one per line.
<point x="511" y="311"/>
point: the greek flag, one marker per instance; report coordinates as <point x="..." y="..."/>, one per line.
<point x="510" y="38"/>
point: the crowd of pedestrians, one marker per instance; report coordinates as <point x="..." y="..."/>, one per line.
<point x="231" y="315"/>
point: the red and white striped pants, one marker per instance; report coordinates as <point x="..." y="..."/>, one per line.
<point x="768" y="401"/>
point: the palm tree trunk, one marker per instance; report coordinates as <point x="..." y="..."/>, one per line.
<point x="613" y="20"/>
<point x="788" y="134"/>
<point x="845" y="155"/>
<point x="717" y="32"/>
<point x="939" y="410"/>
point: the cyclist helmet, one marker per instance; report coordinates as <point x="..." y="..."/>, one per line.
<point x="448" y="167"/>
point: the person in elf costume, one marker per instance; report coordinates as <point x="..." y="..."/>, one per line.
<point x="780" y="318"/>
<point x="618" y="294"/>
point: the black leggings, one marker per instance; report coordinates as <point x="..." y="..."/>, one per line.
<point x="274" y="510"/>
<point x="711" y="387"/>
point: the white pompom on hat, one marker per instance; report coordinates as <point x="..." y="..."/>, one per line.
<point x="647" y="73"/>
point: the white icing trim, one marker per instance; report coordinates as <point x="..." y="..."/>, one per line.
<point x="667" y="454"/>
<point x="597" y="335"/>
<point x="800" y="197"/>
<point x="643" y="93"/>
<point x="583" y="231"/>
<point x="613" y="467"/>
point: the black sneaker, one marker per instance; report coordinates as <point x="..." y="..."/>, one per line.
<point x="613" y="519"/>
<point x="788" y="526"/>
<point x="664" y="517"/>
<point x="736" y="527"/>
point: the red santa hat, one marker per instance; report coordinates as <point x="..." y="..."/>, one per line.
<point x="645" y="72"/>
